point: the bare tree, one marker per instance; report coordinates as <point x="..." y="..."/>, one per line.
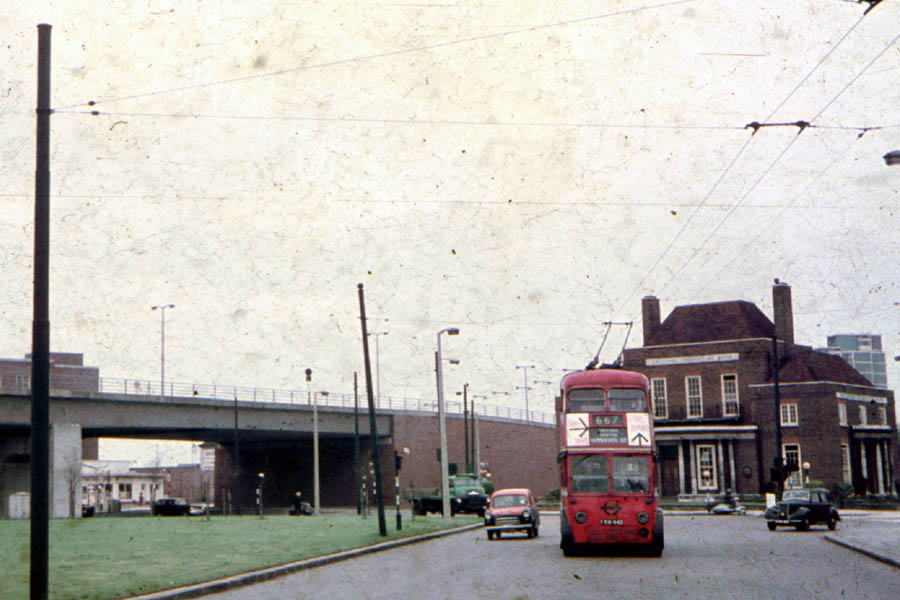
<point x="72" y="474"/>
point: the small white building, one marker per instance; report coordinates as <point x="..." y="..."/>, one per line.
<point x="105" y="480"/>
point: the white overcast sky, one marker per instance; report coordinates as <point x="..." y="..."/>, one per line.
<point x="523" y="173"/>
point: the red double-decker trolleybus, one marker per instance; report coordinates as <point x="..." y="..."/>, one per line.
<point x="607" y="461"/>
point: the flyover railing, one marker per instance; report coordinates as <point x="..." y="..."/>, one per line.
<point x="230" y="393"/>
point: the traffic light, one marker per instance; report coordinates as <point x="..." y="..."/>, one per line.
<point x="398" y="461"/>
<point x="781" y="471"/>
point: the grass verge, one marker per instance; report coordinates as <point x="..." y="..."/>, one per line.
<point x="105" y="558"/>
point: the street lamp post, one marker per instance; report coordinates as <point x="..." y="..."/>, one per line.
<point x="162" y="348"/>
<point x="466" y="426"/>
<point x="525" y="387"/>
<point x="377" y="334"/>
<point x="476" y="451"/>
<point x="316" y="450"/>
<point x="445" y="481"/>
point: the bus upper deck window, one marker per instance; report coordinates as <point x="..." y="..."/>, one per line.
<point x="627" y="400"/>
<point x="585" y="400"/>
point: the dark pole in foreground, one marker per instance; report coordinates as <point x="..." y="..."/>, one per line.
<point x="356" y="487"/>
<point x="40" y="344"/>
<point x="376" y="457"/>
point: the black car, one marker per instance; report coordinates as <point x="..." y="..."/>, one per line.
<point x="170" y="507"/>
<point x="802" y="508"/>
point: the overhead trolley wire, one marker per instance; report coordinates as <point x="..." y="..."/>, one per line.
<point x="778" y="158"/>
<point x="731" y="164"/>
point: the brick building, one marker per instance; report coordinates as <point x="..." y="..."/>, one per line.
<point x="68" y="377"/>
<point x="715" y="395"/>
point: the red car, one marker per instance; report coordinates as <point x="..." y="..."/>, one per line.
<point x="512" y="509"/>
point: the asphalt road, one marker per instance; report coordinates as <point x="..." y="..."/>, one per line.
<point x="730" y="557"/>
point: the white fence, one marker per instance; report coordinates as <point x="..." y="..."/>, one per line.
<point x="228" y="393"/>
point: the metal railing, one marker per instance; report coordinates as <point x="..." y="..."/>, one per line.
<point x="230" y="393"/>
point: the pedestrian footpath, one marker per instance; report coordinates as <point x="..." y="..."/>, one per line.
<point x="875" y="534"/>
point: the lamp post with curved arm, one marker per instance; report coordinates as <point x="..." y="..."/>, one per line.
<point x="525" y="387"/>
<point x="162" y="348"/>
<point x="445" y="480"/>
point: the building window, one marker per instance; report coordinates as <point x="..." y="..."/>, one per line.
<point x="842" y="413"/>
<point x="863" y="420"/>
<point x="730" y="404"/>
<point x="789" y="414"/>
<point x="882" y="415"/>
<point x="125" y="491"/>
<point x="792" y="457"/>
<point x="845" y="463"/>
<point x="694" y="396"/>
<point x="706" y="468"/>
<point x="659" y="398"/>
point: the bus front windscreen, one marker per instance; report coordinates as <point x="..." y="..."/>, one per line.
<point x="602" y="474"/>
<point x="589" y="474"/>
<point x="627" y="400"/>
<point x="630" y="474"/>
<point x="586" y="400"/>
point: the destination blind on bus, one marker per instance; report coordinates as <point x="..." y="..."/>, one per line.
<point x="586" y="429"/>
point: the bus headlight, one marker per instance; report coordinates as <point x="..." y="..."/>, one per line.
<point x="642" y="518"/>
<point x="580" y="517"/>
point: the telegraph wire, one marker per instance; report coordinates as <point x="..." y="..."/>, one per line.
<point x="482" y="203"/>
<point x="389" y="53"/>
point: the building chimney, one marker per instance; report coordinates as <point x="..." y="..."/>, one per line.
<point x="784" y="313"/>
<point x="650" y="315"/>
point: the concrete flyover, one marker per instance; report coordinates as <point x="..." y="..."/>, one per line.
<point x="274" y="436"/>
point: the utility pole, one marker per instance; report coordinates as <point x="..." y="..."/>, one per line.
<point x="373" y="426"/>
<point x="40" y="340"/>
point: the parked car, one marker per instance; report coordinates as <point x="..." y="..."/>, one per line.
<point x="512" y="509"/>
<point x="170" y="507"/>
<point x="802" y="508"/>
